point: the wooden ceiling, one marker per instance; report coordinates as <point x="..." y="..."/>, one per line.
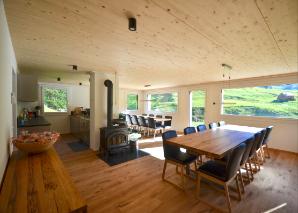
<point x="177" y="42"/>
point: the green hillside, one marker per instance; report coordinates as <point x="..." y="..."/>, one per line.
<point x="260" y="101"/>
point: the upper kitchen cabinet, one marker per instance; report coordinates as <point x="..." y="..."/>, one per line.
<point x="27" y="88"/>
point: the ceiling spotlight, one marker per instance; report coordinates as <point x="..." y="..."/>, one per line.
<point x="147" y="85"/>
<point x="80" y="83"/>
<point x="58" y="79"/>
<point x="132" y="24"/>
<point x="74" y="67"/>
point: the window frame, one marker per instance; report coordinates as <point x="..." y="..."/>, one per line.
<point x="253" y="117"/>
<point x="55" y="86"/>
<point x="132" y="110"/>
<point x="148" y="105"/>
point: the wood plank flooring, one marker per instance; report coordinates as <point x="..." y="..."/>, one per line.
<point x="136" y="186"/>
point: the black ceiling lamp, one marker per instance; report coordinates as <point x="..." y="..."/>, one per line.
<point x="132" y="24"/>
<point x="58" y="79"/>
<point x="74" y="67"/>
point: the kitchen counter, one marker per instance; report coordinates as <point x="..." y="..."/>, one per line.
<point x="39" y="121"/>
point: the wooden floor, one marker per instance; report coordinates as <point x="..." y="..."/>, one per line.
<point x="136" y="186"/>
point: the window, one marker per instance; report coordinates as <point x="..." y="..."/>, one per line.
<point x="132" y="102"/>
<point x="54" y="99"/>
<point x="164" y="102"/>
<point x="197" y="99"/>
<point x="271" y="101"/>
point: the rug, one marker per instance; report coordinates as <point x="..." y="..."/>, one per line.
<point x="78" y="146"/>
<point x="123" y="156"/>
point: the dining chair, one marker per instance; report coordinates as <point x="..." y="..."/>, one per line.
<point x="201" y="127"/>
<point x="128" y="120"/>
<point x="144" y="114"/>
<point x="143" y="124"/>
<point x="221" y="123"/>
<point x="189" y="130"/>
<point x="153" y="126"/>
<point x="174" y="156"/>
<point x="158" y="123"/>
<point x="167" y="124"/>
<point x="212" y="125"/>
<point x="243" y="163"/>
<point x="258" y="137"/>
<point x="133" y="125"/>
<point x="259" y="157"/>
<point x="151" y="115"/>
<point x="222" y="174"/>
<point x="265" y="141"/>
<point x="135" y="122"/>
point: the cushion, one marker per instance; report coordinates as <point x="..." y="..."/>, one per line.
<point x="214" y="169"/>
<point x="182" y="158"/>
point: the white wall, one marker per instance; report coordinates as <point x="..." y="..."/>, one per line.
<point x="284" y="135"/>
<point x="7" y="64"/>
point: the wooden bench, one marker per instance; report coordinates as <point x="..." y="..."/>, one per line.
<point x="39" y="183"/>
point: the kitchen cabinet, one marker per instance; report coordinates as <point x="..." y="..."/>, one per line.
<point x="27" y="88"/>
<point x="80" y="128"/>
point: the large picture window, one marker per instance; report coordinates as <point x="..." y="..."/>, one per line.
<point x="54" y="99"/>
<point x="132" y="102"/>
<point x="272" y="101"/>
<point x="163" y="102"/>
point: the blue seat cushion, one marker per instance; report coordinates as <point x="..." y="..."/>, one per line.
<point x="214" y="169"/>
<point x="182" y="158"/>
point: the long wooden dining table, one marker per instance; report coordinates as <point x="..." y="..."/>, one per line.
<point x="215" y="142"/>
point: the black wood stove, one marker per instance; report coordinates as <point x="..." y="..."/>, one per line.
<point x="114" y="137"/>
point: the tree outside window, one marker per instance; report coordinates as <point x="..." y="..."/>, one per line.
<point x="54" y="99"/>
<point x="132" y="102"/>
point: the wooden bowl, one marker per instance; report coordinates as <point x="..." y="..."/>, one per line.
<point x="35" y="146"/>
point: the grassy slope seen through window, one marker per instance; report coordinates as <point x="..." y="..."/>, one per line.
<point x="262" y="101"/>
<point x="166" y="102"/>
<point x="54" y="99"/>
<point x="132" y="102"/>
<point x="198" y="107"/>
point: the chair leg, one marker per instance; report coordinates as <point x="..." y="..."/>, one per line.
<point x="238" y="187"/>
<point x="241" y="180"/>
<point x="250" y="168"/>
<point x="247" y="173"/>
<point x="164" y="169"/>
<point x="177" y="169"/>
<point x="198" y="186"/>
<point x="228" y="197"/>
<point x="182" y="176"/>
<point x="263" y="154"/>
<point x="267" y="150"/>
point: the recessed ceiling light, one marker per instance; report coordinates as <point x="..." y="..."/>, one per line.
<point x="147" y="85"/>
<point x="132" y="24"/>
